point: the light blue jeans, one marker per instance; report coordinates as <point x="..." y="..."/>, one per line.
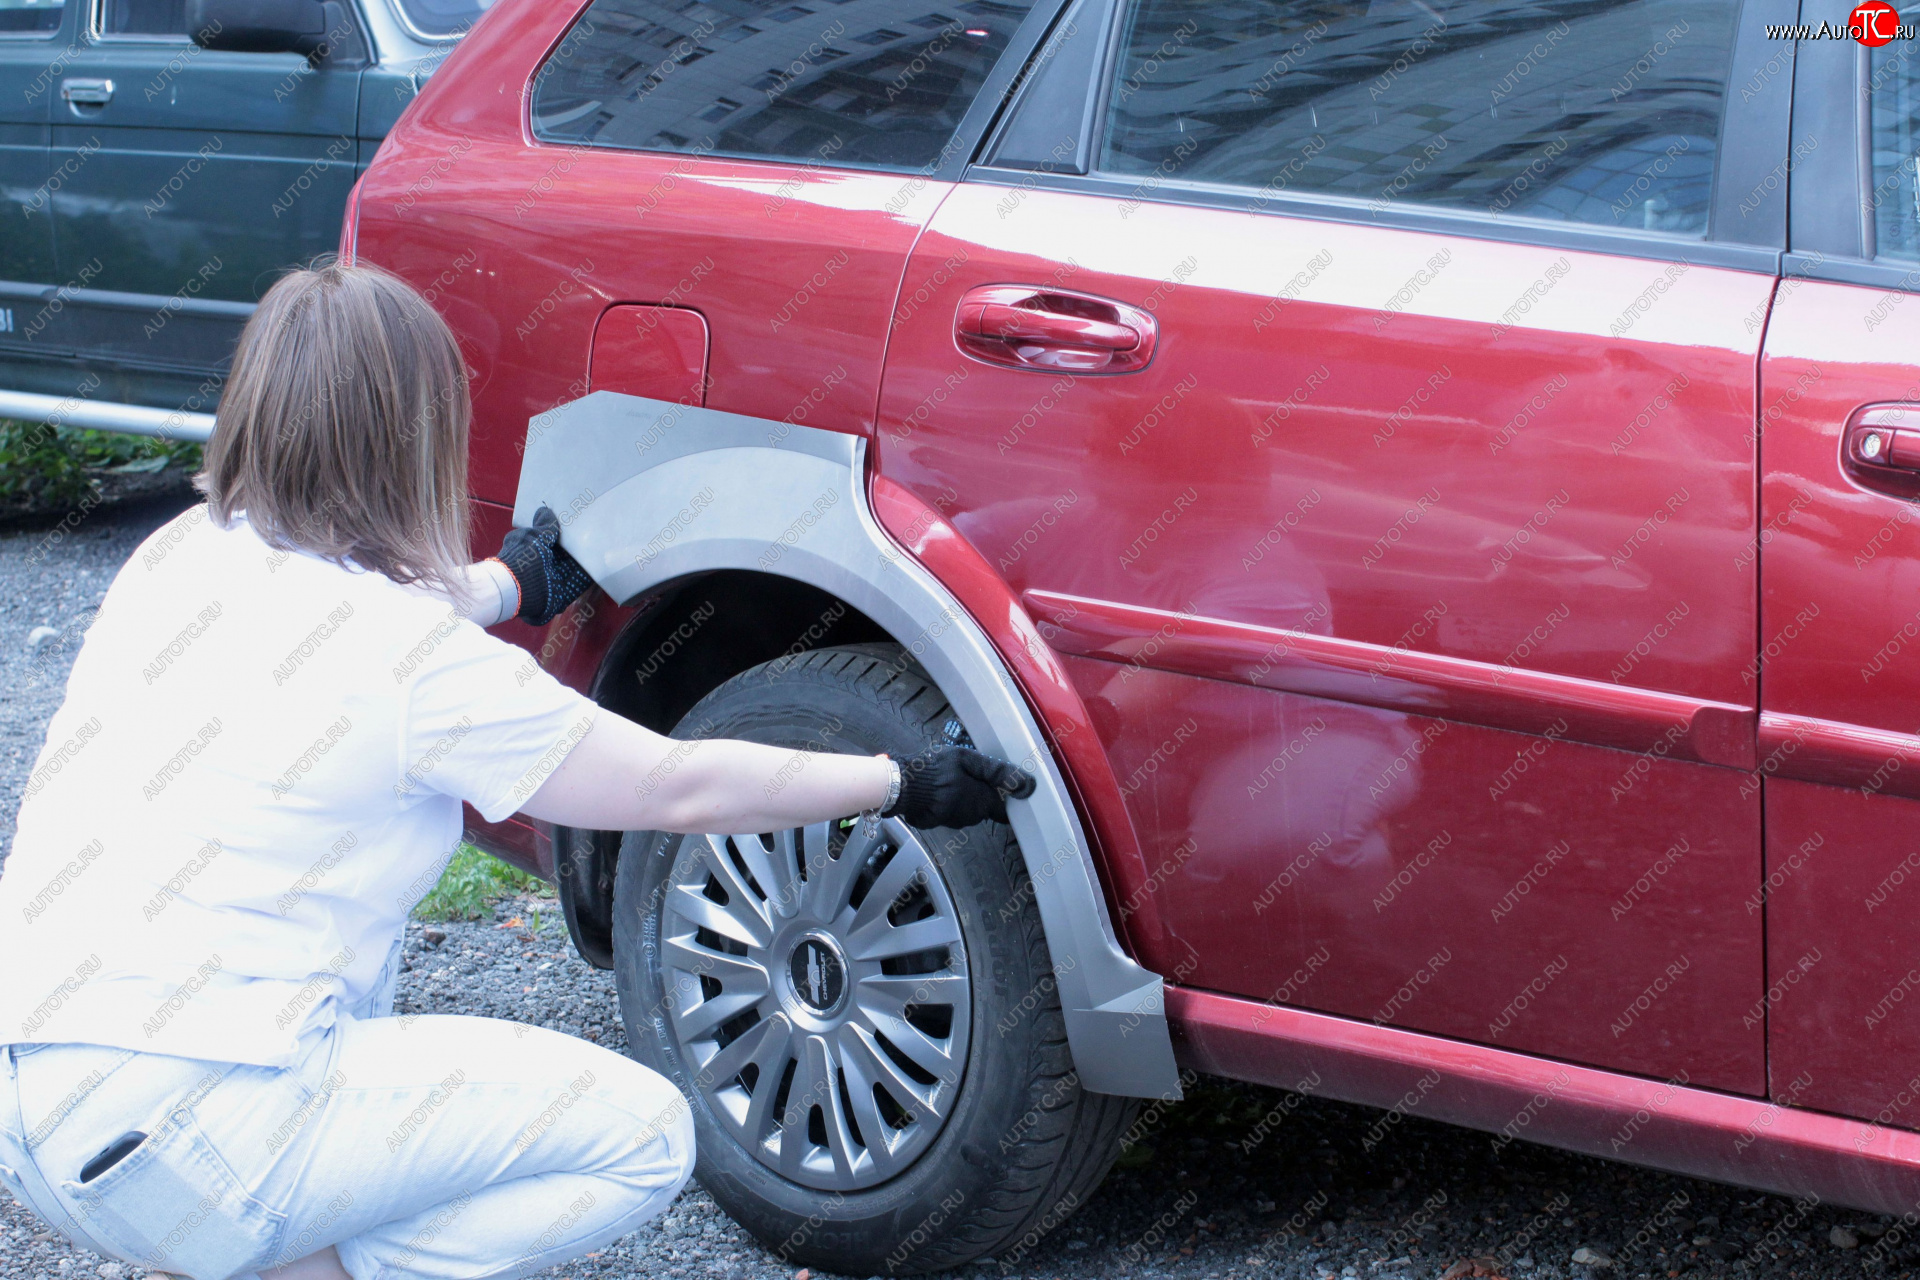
<point x="430" y="1146"/>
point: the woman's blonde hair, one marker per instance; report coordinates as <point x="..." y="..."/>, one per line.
<point x="343" y="427"/>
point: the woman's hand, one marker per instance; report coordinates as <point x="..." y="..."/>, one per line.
<point x="548" y="577"/>
<point x="957" y="787"/>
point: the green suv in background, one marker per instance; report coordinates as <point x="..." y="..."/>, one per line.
<point x="161" y="163"/>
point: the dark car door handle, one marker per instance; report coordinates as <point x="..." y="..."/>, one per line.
<point x="1886" y="436"/>
<point x="1031" y="327"/>
<point x="96" y="93"/>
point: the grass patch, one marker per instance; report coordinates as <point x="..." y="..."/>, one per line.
<point x="472" y="883"/>
<point x="61" y="465"/>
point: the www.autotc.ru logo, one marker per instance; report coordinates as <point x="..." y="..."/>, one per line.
<point x="1873" y="24"/>
<point x="1876" y="22"/>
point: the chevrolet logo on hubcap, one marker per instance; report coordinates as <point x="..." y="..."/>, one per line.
<point x="818" y="976"/>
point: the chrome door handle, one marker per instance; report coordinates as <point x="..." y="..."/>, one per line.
<point x="92" y="93"/>
<point x="1886" y="436"/>
<point x="1034" y="327"/>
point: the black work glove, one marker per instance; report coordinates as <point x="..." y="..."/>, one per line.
<point x="549" y="578"/>
<point x="957" y="787"/>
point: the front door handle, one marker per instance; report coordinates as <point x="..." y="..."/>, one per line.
<point x="1886" y="436"/>
<point x="1033" y="327"/>
<point x="91" y="93"/>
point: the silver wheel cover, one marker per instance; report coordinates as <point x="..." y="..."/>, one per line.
<point x="817" y="990"/>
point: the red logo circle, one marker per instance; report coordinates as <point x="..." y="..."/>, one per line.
<point x="1874" y="23"/>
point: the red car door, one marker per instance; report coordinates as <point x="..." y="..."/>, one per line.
<point x="1362" y="397"/>
<point x="1840" y="602"/>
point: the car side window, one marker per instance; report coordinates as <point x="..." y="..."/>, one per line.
<point x="834" y="83"/>
<point x="1603" y="112"/>
<point x="30" y="17"/>
<point x="143" y="18"/>
<point x="1893" y="86"/>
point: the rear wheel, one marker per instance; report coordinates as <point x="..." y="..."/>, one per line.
<point x="864" y="1019"/>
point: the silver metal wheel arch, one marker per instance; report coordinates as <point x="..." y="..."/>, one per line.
<point x="649" y="491"/>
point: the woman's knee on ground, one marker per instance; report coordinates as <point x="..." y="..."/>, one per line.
<point x="660" y="1151"/>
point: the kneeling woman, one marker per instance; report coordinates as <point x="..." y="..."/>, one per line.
<point x="258" y="772"/>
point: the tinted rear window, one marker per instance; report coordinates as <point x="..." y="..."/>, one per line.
<point x="866" y="82"/>
<point x="1894" y="83"/>
<point x="1604" y="112"/>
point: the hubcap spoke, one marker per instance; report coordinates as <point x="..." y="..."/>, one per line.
<point x="907" y="1093"/>
<point x="771" y="1057"/>
<point x="727" y="970"/>
<point x="879" y="1135"/>
<point x="828" y="1010"/>
<point x="839" y="1136"/>
<point x="811" y="1080"/>
<point x="784" y="867"/>
<point x="890" y="884"/>
<point x="780" y="883"/>
<point x="830" y="880"/>
<point x="747" y="1049"/>
<point x="916" y="1044"/>
<point x="714" y="858"/>
<point x="890" y="996"/>
<point x="736" y="920"/>
<point x="883" y="941"/>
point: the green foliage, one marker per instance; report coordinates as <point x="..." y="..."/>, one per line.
<point x="472" y="883"/>
<point x="57" y="465"/>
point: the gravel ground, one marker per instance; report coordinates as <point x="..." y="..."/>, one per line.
<point x="1234" y="1182"/>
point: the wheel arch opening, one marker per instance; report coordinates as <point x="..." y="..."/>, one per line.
<point x="689" y="637"/>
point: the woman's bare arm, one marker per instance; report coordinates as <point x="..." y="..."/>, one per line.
<point x="624" y="777"/>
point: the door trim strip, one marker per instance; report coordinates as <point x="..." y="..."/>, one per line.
<point x="1842" y="755"/>
<point x="1428" y="684"/>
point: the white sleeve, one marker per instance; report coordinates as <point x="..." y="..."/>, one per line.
<point x="495" y="591"/>
<point x="486" y="724"/>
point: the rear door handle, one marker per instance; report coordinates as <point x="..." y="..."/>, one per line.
<point x="1886" y="436"/>
<point x="1032" y="327"/>
<point x="92" y="93"/>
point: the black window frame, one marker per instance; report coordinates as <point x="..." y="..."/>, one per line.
<point x="1833" y="236"/>
<point x="953" y="159"/>
<point x="1754" y="142"/>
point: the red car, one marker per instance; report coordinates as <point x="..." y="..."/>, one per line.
<point x="1428" y="487"/>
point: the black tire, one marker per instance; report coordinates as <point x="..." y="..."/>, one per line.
<point x="1021" y="1145"/>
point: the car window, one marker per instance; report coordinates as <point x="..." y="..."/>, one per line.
<point x="30" y="17"/>
<point x="1605" y="112"/>
<point x="881" y="85"/>
<point x="143" y="18"/>
<point x="1893" y="84"/>
<point x="442" y="19"/>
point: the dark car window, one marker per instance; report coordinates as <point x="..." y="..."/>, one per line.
<point x="30" y="17"/>
<point x="1893" y="83"/>
<point x="144" y="18"/>
<point x="1605" y="112"/>
<point x="876" y="84"/>
<point x="442" y="19"/>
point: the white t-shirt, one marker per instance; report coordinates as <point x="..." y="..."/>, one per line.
<point x="256" y="774"/>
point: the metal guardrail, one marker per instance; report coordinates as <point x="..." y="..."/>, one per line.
<point x="103" y="415"/>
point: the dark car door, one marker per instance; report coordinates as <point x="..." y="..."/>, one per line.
<point x="32" y="40"/>
<point x="209" y="172"/>
<point x="1405" y="577"/>
<point x="1840" y="601"/>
